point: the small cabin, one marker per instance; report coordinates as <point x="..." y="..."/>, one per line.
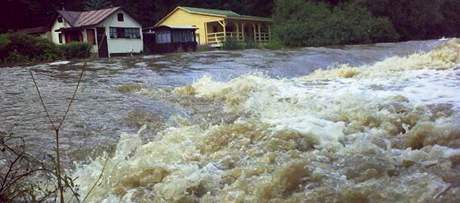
<point x="110" y="31"/>
<point x="163" y="39"/>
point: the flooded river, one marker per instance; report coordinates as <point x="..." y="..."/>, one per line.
<point x="370" y="123"/>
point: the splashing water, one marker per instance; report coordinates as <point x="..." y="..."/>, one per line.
<point x="387" y="132"/>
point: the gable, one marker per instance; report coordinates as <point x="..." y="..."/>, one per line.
<point x="112" y="20"/>
<point x="182" y="17"/>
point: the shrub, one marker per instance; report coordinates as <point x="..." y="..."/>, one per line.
<point x="274" y="44"/>
<point x="4" y="40"/>
<point x="17" y="48"/>
<point x="250" y="44"/>
<point x="76" y="50"/>
<point x="15" y="57"/>
<point x="232" y="44"/>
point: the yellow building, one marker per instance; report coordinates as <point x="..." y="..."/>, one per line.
<point x="216" y="26"/>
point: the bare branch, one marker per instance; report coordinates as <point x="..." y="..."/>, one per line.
<point x="97" y="180"/>
<point x="41" y="100"/>
<point x="73" y="96"/>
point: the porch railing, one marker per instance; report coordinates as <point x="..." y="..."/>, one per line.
<point x="217" y="38"/>
<point x="263" y="37"/>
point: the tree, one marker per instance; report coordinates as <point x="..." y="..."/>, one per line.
<point x="300" y="23"/>
<point x="97" y="4"/>
<point x="421" y="19"/>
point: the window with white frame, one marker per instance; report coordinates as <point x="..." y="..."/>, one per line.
<point x="125" y="33"/>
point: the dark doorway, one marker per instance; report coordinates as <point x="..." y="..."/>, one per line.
<point x="102" y="47"/>
<point x="73" y="36"/>
<point x="249" y="33"/>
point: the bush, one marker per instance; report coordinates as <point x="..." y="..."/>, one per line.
<point x="274" y="44"/>
<point x="18" y="48"/>
<point x="250" y="44"/>
<point x="232" y="44"/>
<point x="4" y="40"/>
<point x="76" y="50"/>
<point x="300" y="23"/>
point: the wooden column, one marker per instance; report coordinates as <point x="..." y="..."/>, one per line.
<point x="260" y="32"/>
<point x="242" y="30"/>
<point x="255" y="32"/>
<point x="225" y="30"/>
<point x="205" y="33"/>
<point x="95" y="37"/>
<point x="237" y="31"/>
<point x="224" y="25"/>
<point x="269" y="32"/>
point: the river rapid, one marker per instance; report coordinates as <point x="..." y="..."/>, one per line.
<point x="370" y="123"/>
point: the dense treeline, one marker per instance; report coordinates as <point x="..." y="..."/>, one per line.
<point x="326" y="22"/>
<point x="320" y="21"/>
<point x="301" y="23"/>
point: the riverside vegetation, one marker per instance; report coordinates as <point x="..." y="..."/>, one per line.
<point x="21" y="48"/>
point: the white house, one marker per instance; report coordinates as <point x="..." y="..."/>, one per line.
<point x="111" y="31"/>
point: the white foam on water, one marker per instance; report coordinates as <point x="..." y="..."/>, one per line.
<point x="385" y="132"/>
<point x="57" y="63"/>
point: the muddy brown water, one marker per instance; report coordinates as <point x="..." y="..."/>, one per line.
<point x="101" y="112"/>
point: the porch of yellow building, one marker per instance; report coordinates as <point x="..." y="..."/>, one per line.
<point x="217" y="32"/>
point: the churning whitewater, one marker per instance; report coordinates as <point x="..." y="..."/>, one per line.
<point x="383" y="132"/>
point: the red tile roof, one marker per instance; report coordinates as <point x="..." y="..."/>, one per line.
<point x="87" y="18"/>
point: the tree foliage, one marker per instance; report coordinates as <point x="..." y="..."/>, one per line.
<point x="97" y="4"/>
<point x="421" y="19"/>
<point x="300" y="23"/>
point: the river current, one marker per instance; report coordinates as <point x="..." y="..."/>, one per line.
<point x="368" y="123"/>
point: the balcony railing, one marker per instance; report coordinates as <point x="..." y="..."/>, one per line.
<point x="218" y="38"/>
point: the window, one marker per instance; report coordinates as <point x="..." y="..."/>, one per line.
<point x="163" y="37"/>
<point x="183" y="36"/>
<point x="60" y="38"/>
<point x="120" y="33"/>
<point x="127" y="33"/>
<point x="59" y="19"/>
<point x="121" y="17"/>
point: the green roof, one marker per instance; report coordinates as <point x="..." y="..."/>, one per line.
<point x="225" y="13"/>
<point x="255" y="18"/>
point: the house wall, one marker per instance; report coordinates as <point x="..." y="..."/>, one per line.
<point x="56" y="26"/>
<point x="183" y="18"/>
<point x="116" y="46"/>
<point x="85" y="38"/>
